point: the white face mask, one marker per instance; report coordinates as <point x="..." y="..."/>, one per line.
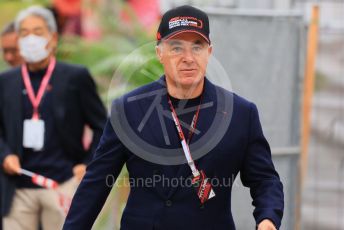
<point x="33" y="48"/>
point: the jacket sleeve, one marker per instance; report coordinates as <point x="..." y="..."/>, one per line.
<point x="4" y="148"/>
<point x="96" y="185"/>
<point x="93" y="109"/>
<point x="258" y="173"/>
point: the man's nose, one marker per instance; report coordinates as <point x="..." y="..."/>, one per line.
<point x="8" y="56"/>
<point x="188" y="56"/>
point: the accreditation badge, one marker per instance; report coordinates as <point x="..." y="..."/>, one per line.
<point x="203" y="187"/>
<point x="33" y="134"/>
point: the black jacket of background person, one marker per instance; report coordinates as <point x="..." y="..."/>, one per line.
<point x="75" y="104"/>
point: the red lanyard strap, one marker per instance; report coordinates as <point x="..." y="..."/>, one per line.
<point x="36" y="100"/>
<point x="185" y="145"/>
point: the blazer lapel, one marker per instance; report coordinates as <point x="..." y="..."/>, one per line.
<point x="157" y="100"/>
<point x="58" y="83"/>
<point x="144" y="106"/>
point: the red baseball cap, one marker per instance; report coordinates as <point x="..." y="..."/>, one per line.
<point x="183" y="19"/>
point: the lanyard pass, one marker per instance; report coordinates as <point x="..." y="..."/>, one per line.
<point x="199" y="180"/>
<point x="34" y="128"/>
<point x="36" y="100"/>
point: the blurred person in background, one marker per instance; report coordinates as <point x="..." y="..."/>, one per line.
<point x="44" y="106"/>
<point x="9" y="45"/>
<point x="165" y="194"/>
<point x="68" y="15"/>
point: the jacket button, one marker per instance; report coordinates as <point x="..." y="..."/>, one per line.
<point x="168" y="203"/>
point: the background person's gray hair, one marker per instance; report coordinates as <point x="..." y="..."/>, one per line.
<point x="38" y="11"/>
<point x="9" y="28"/>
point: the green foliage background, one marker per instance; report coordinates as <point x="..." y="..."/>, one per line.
<point x="104" y="56"/>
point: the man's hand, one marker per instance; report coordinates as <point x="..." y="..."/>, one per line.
<point x="79" y="171"/>
<point x="11" y="164"/>
<point x="266" y="225"/>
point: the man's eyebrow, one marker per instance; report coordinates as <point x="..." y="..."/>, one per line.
<point x="198" y="42"/>
<point x="38" y="28"/>
<point x="35" y="28"/>
<point x="174" y="42"/>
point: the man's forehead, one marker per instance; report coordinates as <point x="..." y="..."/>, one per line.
<point x="34" y="22"/>
<point x="192" y="38"/>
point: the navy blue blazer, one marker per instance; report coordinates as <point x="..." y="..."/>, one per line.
<point x="242" y="148"/>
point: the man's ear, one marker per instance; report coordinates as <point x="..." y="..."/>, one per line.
<point x="158" y="51"/>
<point x="210" y="50"/>
<point x="53" y="42"/>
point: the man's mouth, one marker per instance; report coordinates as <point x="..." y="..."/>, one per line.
<point x="188" y="70"/>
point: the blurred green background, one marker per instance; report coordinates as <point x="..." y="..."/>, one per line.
<point x="105" y="54"/>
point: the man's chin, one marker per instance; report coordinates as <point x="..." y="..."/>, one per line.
<point x="190" y="82"/>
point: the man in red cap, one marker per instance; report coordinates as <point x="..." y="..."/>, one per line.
<point x="181" y="138"/>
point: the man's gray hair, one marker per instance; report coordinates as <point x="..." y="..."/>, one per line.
<point x="38" y="11"/>
<point x="9" y="28"/>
